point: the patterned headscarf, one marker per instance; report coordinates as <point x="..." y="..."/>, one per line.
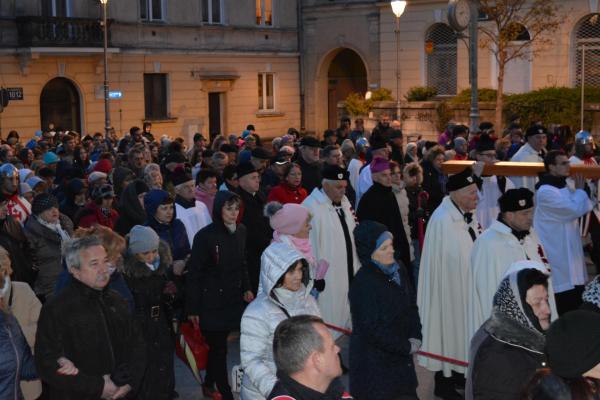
<point x="591" y="294"/>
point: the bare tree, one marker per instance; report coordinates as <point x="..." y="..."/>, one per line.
<point x="516" y="29"/>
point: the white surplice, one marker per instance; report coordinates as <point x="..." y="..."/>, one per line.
<point x="487" y="208"/>
<point x="526" y="154"/>
<point x="442" y="294"/>
<point x="493" y="254"/>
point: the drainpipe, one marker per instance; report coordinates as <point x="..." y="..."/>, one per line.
<point x="300" y="32"/>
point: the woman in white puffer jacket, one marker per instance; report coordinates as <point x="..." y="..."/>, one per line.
<point x="283" y="274"/>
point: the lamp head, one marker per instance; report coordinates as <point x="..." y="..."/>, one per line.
<point x="104" y="1"/>
<point x="398" y="7"/>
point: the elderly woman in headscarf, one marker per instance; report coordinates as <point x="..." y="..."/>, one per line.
<point x="291" y="224"/>
<point x="385" y="319"/>
<point x="509" y="347"/>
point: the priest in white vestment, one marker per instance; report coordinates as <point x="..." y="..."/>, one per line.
<point x="331" y="237"/>
<point x="509" y="239"/>
<point x="555" y="220"/>
<point x="492" y="187"/>
<point x="532" y="151"/>
<point x="442" y="293"/>
<point x="193" y="213"/>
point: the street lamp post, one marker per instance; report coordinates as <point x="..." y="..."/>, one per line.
<point x="398" y="7"/>
<point x="106" y="99"/>
<point x="473" y="77"/>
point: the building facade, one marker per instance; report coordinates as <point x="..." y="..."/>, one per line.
<point x="352" y="44"/>
<point x="216" y="65"/>
<point x="210" y="66"/>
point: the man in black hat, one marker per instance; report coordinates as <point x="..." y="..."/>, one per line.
<point x="252" y="216"/>
<point x="194" y="214"/>
<point x="308" y="159"/>
<point x="274" y="173"/>
<point x="332" y="240"/>
<point x="510" y="238"/>
<point x="492" y="187"/>
<point x="532" y="151"/>
<point x="442" y="292"/>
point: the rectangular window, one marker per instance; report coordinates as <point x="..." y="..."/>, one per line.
<point x="155" y="96"/>
<point x="152" y="10"/>
<point x="264" y="12"/>
<point x="56" y="8"/>
<point x="212" y="11"/>
<point x="266" y="91"/>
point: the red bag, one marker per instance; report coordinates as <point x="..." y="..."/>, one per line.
<point x="191" y="348"/>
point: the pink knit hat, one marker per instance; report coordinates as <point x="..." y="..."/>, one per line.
<point x="379" y="164"/>
<point x="289" y="219"/>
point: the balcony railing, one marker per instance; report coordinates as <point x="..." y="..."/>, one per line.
<point x="60" y="32"/>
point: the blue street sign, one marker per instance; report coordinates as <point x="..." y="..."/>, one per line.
<point x="115" y="94"/>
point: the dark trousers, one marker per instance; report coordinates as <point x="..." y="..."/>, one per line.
<point x="216" y="368"/>
<point x="569" y="300"/>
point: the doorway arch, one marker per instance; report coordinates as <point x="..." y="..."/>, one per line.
<point x="346" y="73"/>
<point x="60" y="104"/>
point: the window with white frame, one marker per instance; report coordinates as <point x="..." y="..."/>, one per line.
<point x="441" y="59"/>
<point x="266" y="91"/>
<point x="212" y="11"/>
<point x="264" y="12"/>
<point x="152" y="10"/>
<point x="57" y="8"/>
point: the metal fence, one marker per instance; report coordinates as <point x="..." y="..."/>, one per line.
<point x="441" y="53"/>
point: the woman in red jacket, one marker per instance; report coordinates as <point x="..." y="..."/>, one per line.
<point x="289" y="190"/>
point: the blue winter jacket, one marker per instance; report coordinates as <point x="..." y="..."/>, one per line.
<point x="16" y="361"/>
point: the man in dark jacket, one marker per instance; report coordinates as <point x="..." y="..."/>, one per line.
<point x="379" y="204"/>
<point x="307" y="360"/>
<point x="92" y="327"/>
<point x="252" y="216"/>
<point x="308" y="159"/>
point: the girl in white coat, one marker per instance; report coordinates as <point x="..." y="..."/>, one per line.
<point x="284" y="274"/>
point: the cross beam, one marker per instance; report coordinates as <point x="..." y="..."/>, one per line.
<point x="508" y="168"/>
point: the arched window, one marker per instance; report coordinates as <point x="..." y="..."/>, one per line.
<point x="440" y="48"/>
<point x="60" y="105"/>
<point x="587" y="37"/>
<point x="517" y="72"/>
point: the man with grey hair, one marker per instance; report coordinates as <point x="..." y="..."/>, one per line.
<point x="331" y="238"/>
<point x="307" y="361"/>
<point x="91" y="326"/>
<point x="153" y="177"/>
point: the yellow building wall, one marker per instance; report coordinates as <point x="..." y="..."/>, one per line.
<point x="188" y="102"/>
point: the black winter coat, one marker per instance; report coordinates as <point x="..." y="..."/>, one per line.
<point x="379" y="204"/>
<point x="505" y="361"/>
<point x="217" y="276"/>
<point x="151" y="306"/>
<point x="288" y="389"/>
<point x="311" y="174"/>
<point x="384" y="317"/>
<point x="259" y="235"/>
<point x="93" y="329"/>
<point x="431" y="184"/>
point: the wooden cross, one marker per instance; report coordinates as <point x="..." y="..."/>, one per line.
<point x="509" y="168"/>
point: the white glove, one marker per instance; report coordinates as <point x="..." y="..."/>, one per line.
<point x="415" y="345"/>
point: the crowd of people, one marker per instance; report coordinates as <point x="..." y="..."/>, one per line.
<point x="108" y="243"/>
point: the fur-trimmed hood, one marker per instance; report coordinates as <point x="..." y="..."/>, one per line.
<point x="137" y="269"/>
<point x="513" y="333"/>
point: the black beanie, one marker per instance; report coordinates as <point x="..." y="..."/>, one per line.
<point x="43" y="202"/>
<point x="573" y="343"/>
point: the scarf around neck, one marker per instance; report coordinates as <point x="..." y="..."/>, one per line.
<point x="302" y="245"/>
<point x="392" y="271"/>
<point x="55" y="227"/>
